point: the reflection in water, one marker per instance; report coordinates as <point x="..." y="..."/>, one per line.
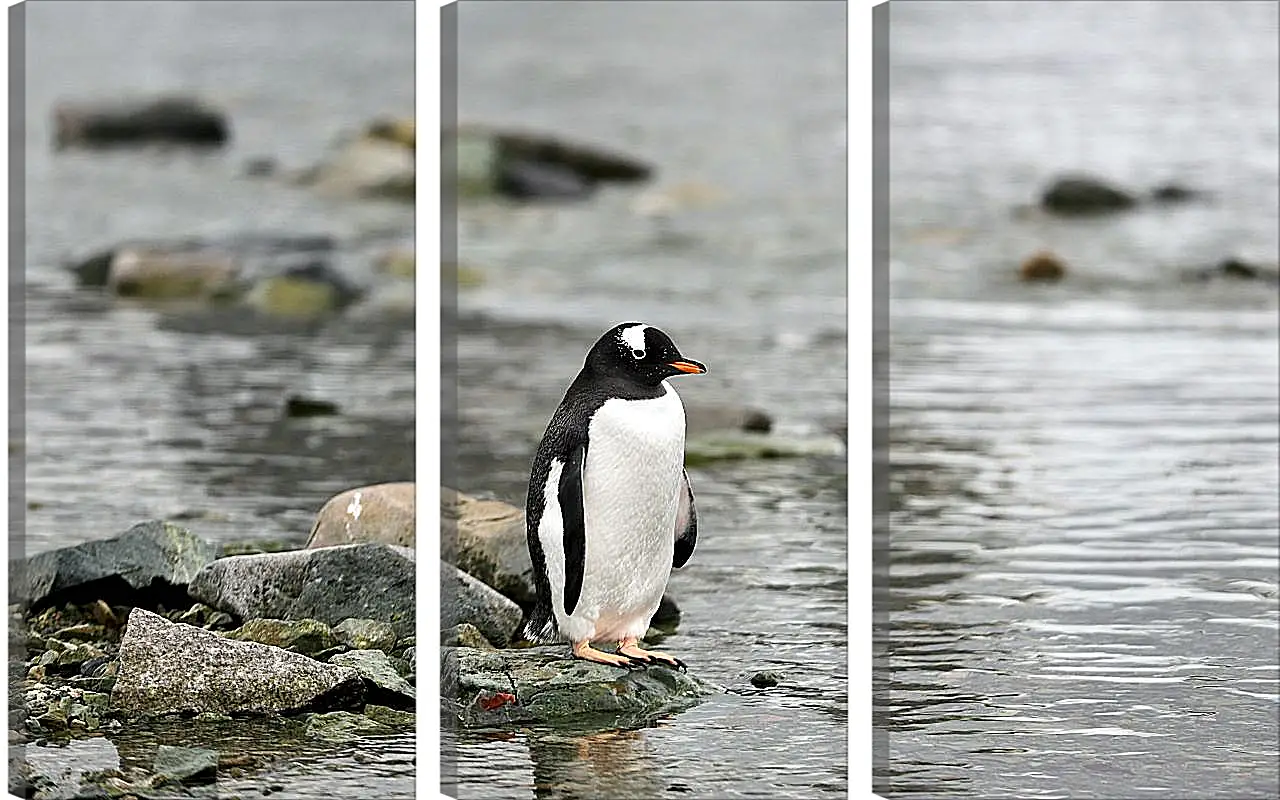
<point x="584" y="767"/>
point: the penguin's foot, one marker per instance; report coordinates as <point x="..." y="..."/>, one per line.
<point x="629" y="647"/>
<point x="586" y="652"/>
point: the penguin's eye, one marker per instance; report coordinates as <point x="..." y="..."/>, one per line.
<point x="638" y="355"/>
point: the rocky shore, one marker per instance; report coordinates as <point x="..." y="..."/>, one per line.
<point x="155" y="626"/>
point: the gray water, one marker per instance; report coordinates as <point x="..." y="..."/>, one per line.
<point x="737" y="250"/>
<point x="1084" y="485"/>
<point x="136" y="412"/>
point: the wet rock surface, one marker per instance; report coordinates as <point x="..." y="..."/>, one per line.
<point x="545" y="684"/>
<point x="329" y="584"/>
<point x="344" y="726"/>
<point x="168" y="668"/>
<point x="151" y="562"/>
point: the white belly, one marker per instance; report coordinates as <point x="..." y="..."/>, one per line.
<point x="631" y="492"/>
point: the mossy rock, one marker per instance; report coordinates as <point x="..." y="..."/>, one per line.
<point x="545" y="685"/>
<point x="306" y="636"/>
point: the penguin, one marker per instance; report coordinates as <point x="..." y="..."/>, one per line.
<point x="610" y="512"/>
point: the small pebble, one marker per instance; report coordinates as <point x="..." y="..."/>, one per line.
<point x="103" y="615"/>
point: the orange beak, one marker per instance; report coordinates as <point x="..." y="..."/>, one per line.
<point x="691" y="367"/>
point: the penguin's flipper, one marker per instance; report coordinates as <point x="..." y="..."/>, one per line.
<point x="575" y="530"/>
<point x="686" y="524"/>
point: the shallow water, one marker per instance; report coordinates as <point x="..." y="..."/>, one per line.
<point x="737" y="250"/>
<point x="136" y="412"/>
<point x="1084" y="487"/>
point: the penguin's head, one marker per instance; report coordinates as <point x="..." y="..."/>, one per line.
<point x="639" y="353"/>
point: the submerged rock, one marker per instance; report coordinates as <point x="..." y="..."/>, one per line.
<point x="382" y="513"/>
<point x="1084" y="194"/>
<point x="330" y="584"/>
<point x="149" y="563"/>
<point x="168" y="668"/>
<point x="168" y="120"/>
<point x="465" y="599"/>
<point x="544" y="684"/>
<point x="344" y="726"/>
<point x="186" y="764"/>
<point x="486" y="539"/>
<point x="306" y="636"/>
<point x="383" y="684"/>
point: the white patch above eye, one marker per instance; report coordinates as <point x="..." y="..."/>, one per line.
<point x="633" y="337"/>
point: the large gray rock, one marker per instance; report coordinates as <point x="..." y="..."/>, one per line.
<point x="544" y="684"/>
<point x="465" y="599"/>
<point x="169" y="668"/>
<point x="151" y="562"/>
<point x="383" y="684"/>
<point x="486" y="539"/>
<point x="382" y="513"/>
<point x="330" y="584"/>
